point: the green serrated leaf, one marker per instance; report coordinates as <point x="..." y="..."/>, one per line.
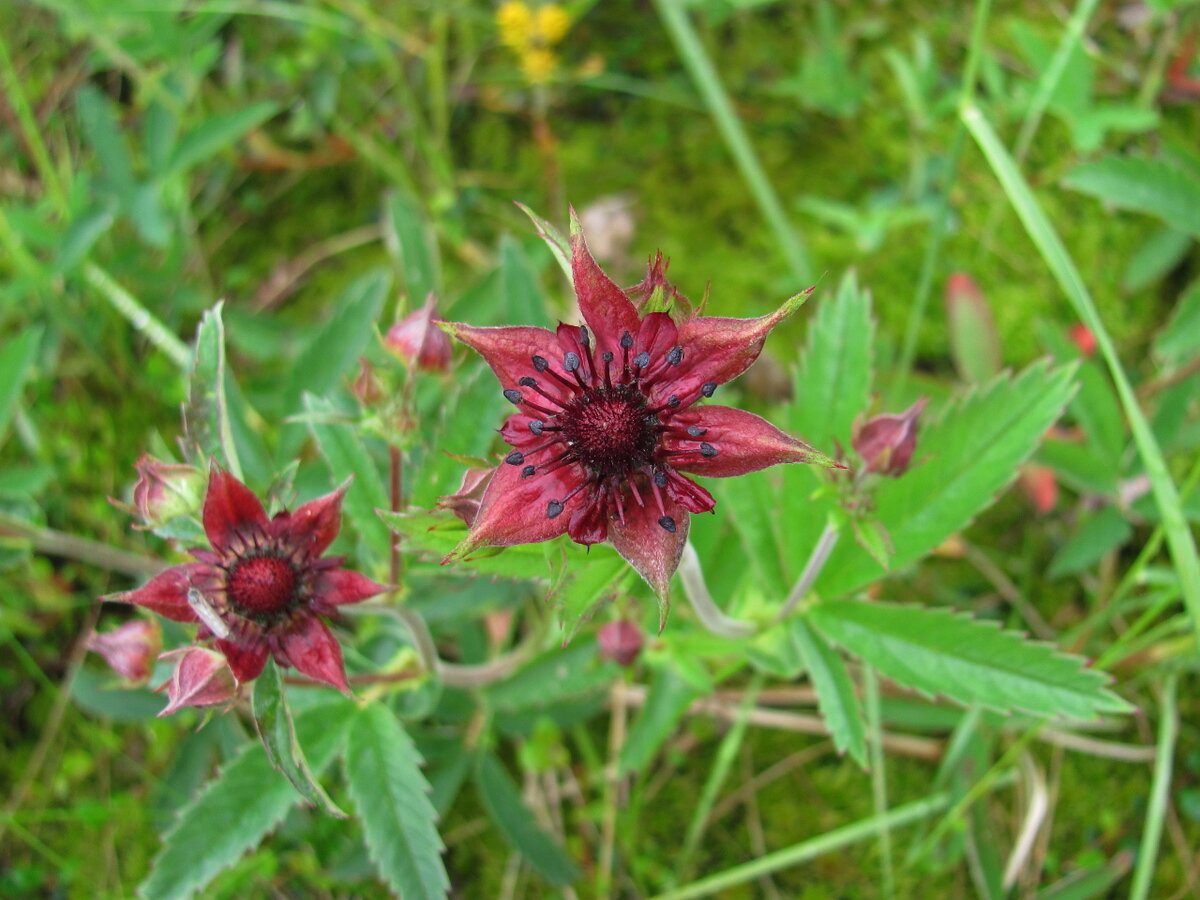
<point x="835" y="691"/>
<point x="961" y="462"/>
<point x="430" y="536"/>
<point x="411" y="244"/>
<point x="939" y="651"/>
<point x="508" y="811"/>
<point x="16" y="362"/>
<point x="833" y="380"/>
<point x="273" y="720"/>
<point x="1156" y="187"/>
<point x="216" y="133"/>
<point x="206" y="414"/>
<point x="585" y="589"/>
<point x="383" y="776"/>
<point x="555" y="240"/>
<point x="246" y="800"/>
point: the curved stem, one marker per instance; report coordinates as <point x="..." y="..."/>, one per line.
<point x="816" y="562"/>
<point x="696" y="591"/>
<point x="49" y="542"/>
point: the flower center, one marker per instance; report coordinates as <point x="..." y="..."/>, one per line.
<point x="262" y="586"/>
<point x="610" y="432"/>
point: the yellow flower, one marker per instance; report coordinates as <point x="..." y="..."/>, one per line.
<point x="515" y="22"/>
<point x="538" y="64"/>
<point x="551" y="23"/>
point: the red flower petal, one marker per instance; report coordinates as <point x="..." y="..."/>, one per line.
<point x="744" y="443"/>
<point x="313" y="650"/>
<point x="687" y="493"/>
<point x="718" y="349"/>
<point x="312" y="528"/>
<point x="230" y="509"/>
<point x="201" y="678"/>
<point x="513" y="509"/>
<point x="166" y="593"/>
<point x="341" y="586"/>
<point x="589" y="524"/>
<point x="652" y="550"/>
<point x="246" y="661"/>
<point x="508" y="351"/>
<point x="606" y="309"/>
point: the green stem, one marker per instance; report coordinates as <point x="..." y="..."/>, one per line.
<point x="138" y="316"/>
<point x="49" y="542"/>
<point x="804" y="851"/>
<point x="1168" y="729"/>
<point x="15" y="93"/>
<point x="708" y="82"/>
<point x="707" y="611"/>
<point x="812" y="569"/>
<point x="879" y="777"/>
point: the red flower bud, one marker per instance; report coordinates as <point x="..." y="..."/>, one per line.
<point x="1082" y="337"/>
<point x="129" y="649"/>
<point x="465" y="503"/>
<point x="886" y="443"/>
<point x="1039" y="484"/>
<point x="620" y="642"/>
<point x="202" y="678"/>
<point x="418" y="342"/>
<point x="165" y="490"/>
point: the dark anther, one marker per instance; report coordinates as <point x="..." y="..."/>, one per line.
<point x="527" y="471"/>
<point x="660" y="478"/>
<point x="527" y="382"/>
<point x="536" y="426"/>
<point x="708" y="451"/>
<point x="540" y="363"/>
<point x="667" y="523"/>
<point x="672" y="401"/>
<point x="607" y="356"/>
<point x="515" y="458"/>
<point x="571" y="362"/>
<point x="641" y="360"/>
<point x="583" y="335"/>
<point x="553" y="509"/>
<point x="693" y="430"/>
<point x="512" y="396"/>
<point x="675" y="357"/>
<point x="627" y="340"/>
<point x="707" y="388"/>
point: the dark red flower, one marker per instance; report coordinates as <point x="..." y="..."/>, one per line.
<point x="418" y="342"/>
<point x="608" y="425"/>
<point x="263" y="587"/>
<point x="886" y="442"/>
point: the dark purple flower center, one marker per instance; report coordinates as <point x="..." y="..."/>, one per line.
<point x="607" y="425"/>
<point x="262" y="586"/>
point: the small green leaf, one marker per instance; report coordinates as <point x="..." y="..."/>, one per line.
<point x="585" y="589"/>
<point x="1179" y="340"/>
<point x="1154" y="259"/>
<point x="273" y="719"/>
<point x="83" y="232"/>
<point x="216" y="133"/>
<point x="245" y="801"/>
<point x="508" y="811"/>
<point x="669" y="698"/>
<point x="1156" y="187"/>
<point x="16" y="362"/>
<point x="430" y="536"/>
<point x="938" y="651"/>
<point x="1100" y="533"/>
<point x="206" y="414"/>
<point x="411" y="244"/>
<point x="383" y="775"/>
<point x="835" y="691"/>
<point x="558" y="244"/>
<point x="833" y="381"/>
<point x="99" y="125"/>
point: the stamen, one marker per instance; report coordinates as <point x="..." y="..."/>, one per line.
<point x="554" y="509"/>
<point x="660" y="478"/>
<point x="515" y="458"/>
<point x="537" y="426"/>
<point x="540" y="363"/>
<point x="608" y="358"/>
<point x="708" y="451"/>
<point x="626" y="346"/>
<point x="667" y="523"/>
<point x="693" y="430"/>
<point x="531" y="383"/>
<point x="571" y="361"/>
<point x="675" y="357"/>
<point x="512" y="396"/>
<point x="585" y="341"/>
<point x="708" y="388"/>
<point x="633" y="489"/>
<point x="641" y="360"/>
<point x="527" y="471"/>
<point x="584" y="338"/>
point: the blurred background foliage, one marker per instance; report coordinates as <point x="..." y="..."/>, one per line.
<point x="158" y="156"/>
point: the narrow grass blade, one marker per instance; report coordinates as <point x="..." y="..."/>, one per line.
<point x="1168" y="730"/>
<point x="1179" y="537"/>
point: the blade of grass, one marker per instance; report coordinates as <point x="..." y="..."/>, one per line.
<point x="879" y="778"/>
<point x="12" y="86"/>
<point x="708" y="82"/>
<point x="138" y="316"/>
<point x="1160" y="786"/>
<point x="1180" y="542"/>
<point x="862" y="830"/>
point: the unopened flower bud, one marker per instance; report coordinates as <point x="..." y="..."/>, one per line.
<point x="418" y="342"/>
<point x="130" y="649"/>
<point x="886" y="443"/>
<point x="365" y="386"/>
<point x="202" y="678"/>
<point x="165" y="490"/>
<point x="1040" y="486"/>
<point x="620" y="642"/>
<point x="1083" y="338"/>
<point x="465" y="503"/>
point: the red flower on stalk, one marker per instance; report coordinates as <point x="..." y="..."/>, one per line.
<point x="608" y="427"/>
<point x="264" y="586"/>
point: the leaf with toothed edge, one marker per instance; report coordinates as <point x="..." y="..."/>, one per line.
<point x="558" y="244"/>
